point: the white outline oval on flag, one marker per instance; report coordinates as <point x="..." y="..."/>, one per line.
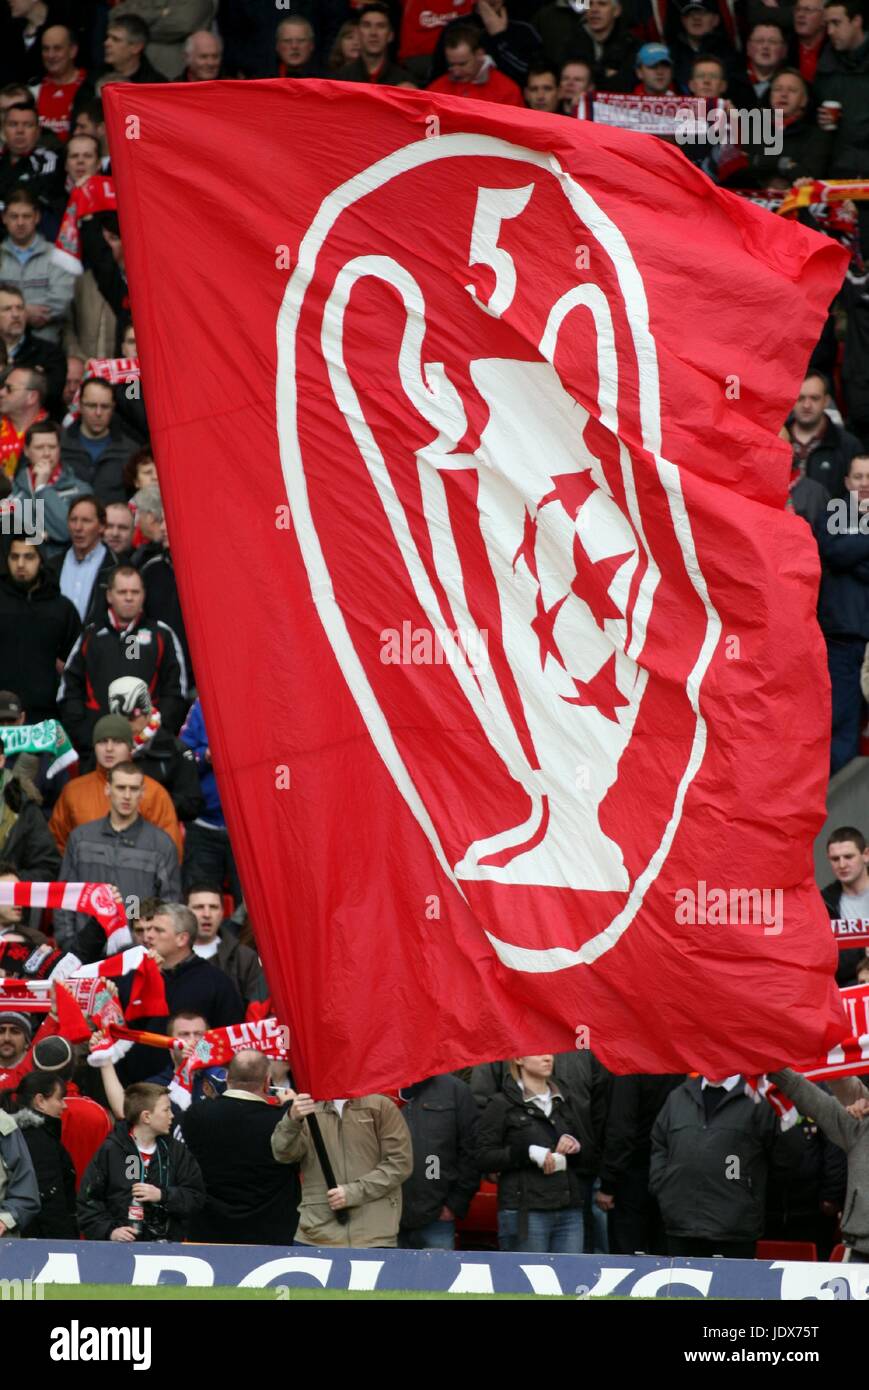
<point x="413" y="156"/>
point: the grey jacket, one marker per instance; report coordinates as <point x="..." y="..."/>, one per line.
<point x="709" y="1176"/>
<point x="41" y="282"/>
<point x="19" y="1190"/>
<point x="851" y="1135"/>
<point x="56" y="499"/>
<point x="141" y="862"/>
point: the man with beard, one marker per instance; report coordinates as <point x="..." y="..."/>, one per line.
<point x="38" y="629"/>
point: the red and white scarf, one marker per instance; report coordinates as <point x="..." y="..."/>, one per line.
<point x="142" y="739"/>
<point x="96" y="194"/>
<point x="850" y="1057"/>
<point x="219" y="1045"/>
<point x="96" y="899"/>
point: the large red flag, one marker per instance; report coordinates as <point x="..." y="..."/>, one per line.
<point x="466" y="425"/>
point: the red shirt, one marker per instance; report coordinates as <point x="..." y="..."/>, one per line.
<point x="422" y="21"/>
<point x="496" y="87"/>
<point x="809" y="55"/>
<point x="54" y="104"/>
<point x="12" y="442"/>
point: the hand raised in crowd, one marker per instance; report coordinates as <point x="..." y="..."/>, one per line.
<point x="303" y="1105"/>
<point x="859" y="1109"/>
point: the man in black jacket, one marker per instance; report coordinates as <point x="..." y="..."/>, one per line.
<point x="711" y="1146"/>
<point x="847" y="897"/>
<point x="599" y="36"/>
<point x="141" y="1184"/>
<point x="442" y="1116"/>
<point x="191" y="985"/>
<point x="25" y="160"/>
<point x="157" y="752"/>
<point x="221" y="947"/>
<point x="843" y="607"/>
<point x="634" y="1221"/>
<point x="37" y="369"/>
<point x="126" y="645"/>
<point x="252" y="1199"/>
<point x="822" y="449"/>
<point x="38" y="629"/>
<point x="96" y="447"/>
<point x="512" y="44"/>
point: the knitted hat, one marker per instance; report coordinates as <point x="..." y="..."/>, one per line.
<point x="113" y="726"/>
<point x="52" y="1054"/>
<point x="17" y="1020"/>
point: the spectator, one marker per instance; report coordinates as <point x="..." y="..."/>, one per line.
<point x="822" y="449"/>
<point x="805" y="151"/>
<point x="599" y="36"/>
<point x="374" y="63"/>
<point x="203" y="55"/>
<point x="655" y="71"/>
<point x="252" y="1199"/>
<point x="346" y="48"/>
<point x="26" y="160"/>
<point x="441" y="1115"/>
<point x="708" y="78"/>
<point x="140" y="472"/>
<point x="843" y="76"/>
<point x="124" y="50"/>
<point x="472" y="73"/>
<point x="83" y="799"/>
<point x="96" y="447"/>
<point x="294" y="48"/>
<point x="82" y="159"/>
<point x="208" y="853"/>
<point x="40" y="1103"/>
<point x="512" y="44"/>
<point x="25" y="351"/>
<point x="855" y="359"/>
<point x="168" y="26"/>
<point x="167" y="1188"/>
<point x="22" y="397"/>
<point x="194" y="989"/>
<point x="103" y="256"/>
<point x="711" y="1147"/>
<point x="122" y="849"/>
<point x="14" y="1038"/>
<point x="74" y="378"/>
<point x="38" y="629"/>
<point x="634" y="1220"/>
<point x="369" y="1149"/>
<point x="810" y="30"/>
<point x="126" y="645"/>
<point x="695" y="29"/>
<point x="158" y="753"/>
<point x="118" y="535"/>
<point x="153" y="560"/>
<point x="806" y="1191"/>
<point x="766" y="52"/>
<point x="843" y="612"/>
<point x="63" y="81"/>
<point x="850" y="1134"/>
<point x="26" y="261"/>
<point x="87" y="563"/>
<point x="223" y="948"/>
<point x="847" y="897"/>
<point x="19" y="1191"/>
<point x="541" y="89"/>
<point x="528" y="1136"/>
<point x="575" y="83"/>
<point x="42" y="477"/>
<point x="13" y="925"/>
<point x="25" y="842"/>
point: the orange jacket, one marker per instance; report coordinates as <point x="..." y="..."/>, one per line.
<point x="84" y="799"/>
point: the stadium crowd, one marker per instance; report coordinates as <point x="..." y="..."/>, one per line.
<point x="92" y="636"/>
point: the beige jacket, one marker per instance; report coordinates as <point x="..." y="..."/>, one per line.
<point x="371" y="1153"/>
